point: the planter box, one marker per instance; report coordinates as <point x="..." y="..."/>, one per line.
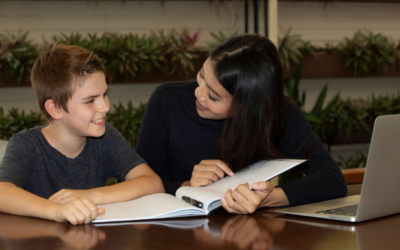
<point x="158" y="77"/>
<point x="358" y="137"/>
<point x="332" y="65"/>
<point x="322" y="65"/>
<point x="154" y="77"/>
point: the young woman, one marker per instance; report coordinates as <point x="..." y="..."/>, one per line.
<point x="193" y="133"/>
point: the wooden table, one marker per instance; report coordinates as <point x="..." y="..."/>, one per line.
<point x="262" y="230"/>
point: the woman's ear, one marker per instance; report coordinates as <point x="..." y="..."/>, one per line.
<point x="53" y="110"/>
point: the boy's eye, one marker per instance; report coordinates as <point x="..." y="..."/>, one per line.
<point x="106" y="94"/>
<point x="90" y="101"/>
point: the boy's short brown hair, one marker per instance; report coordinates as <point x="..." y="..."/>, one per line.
<point x="56" y="72"/>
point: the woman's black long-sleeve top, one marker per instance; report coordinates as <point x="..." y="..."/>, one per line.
<point x="174" y="138"/>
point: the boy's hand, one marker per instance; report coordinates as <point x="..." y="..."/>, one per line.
<point x="78" y="211"/>
<point x="66" y="195"/>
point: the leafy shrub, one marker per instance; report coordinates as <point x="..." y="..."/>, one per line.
<point x="359" y="160"/>
<point x="177" y="51"/>
<point x="219" y="38"/>
<point x="129" y="55"/>
<point x="292" y="47"/>
<point x="292" y="87"/>
<point x="16" y="121"/>
<point x="132" y="55"/>
<point x="367" y="52"/>
<point x="381" y="105"/>
<point x="127" y="121"/>
<point x="17" y="55"/>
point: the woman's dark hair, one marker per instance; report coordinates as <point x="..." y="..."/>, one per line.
<point x="248" y="67"/>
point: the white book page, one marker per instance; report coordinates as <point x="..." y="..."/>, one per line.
<point x="155" y="206"/>
<point x="260" y="171"/>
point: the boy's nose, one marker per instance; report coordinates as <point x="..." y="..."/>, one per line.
<point x="104" y="107"/>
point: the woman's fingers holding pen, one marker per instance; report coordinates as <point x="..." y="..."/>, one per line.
<point x="209" y="171"/>
<point x="231" y="205"/>
<point x="243" y="200"/>
<point x="263" y="186"/>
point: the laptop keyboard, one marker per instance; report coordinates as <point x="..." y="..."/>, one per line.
<point x="347" y="210"/>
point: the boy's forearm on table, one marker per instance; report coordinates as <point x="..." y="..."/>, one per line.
<point x="128" y="190"/>
<point x="18" y="201"/>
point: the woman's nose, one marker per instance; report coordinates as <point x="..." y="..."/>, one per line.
<point x="200" y="93"/>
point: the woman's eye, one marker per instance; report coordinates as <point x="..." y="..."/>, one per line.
<point x="211" y="98"/>
<point x="201" y="73"/>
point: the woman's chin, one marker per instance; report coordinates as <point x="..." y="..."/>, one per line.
<point x="204" y="114"/>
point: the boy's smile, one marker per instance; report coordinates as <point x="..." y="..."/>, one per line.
<point x="99" y="122"/>
<point x="87" y="107"/>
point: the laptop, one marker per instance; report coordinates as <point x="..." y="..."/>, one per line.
<point x="381" y="186"/>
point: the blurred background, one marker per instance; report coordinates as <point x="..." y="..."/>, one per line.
<point x="341" y="59"/>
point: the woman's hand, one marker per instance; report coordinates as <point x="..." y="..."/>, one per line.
<point x="209" y="171"/>
<point x="243" y="200"/>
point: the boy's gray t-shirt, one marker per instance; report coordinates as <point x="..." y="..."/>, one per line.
<point x="31" y="163"/>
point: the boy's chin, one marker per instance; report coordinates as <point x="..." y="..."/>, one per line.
<point x="98" y="133"/>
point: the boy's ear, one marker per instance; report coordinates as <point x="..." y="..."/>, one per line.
<point x="53" y="110"/>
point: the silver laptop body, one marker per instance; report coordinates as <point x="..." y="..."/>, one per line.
<point x="381" y="186"/>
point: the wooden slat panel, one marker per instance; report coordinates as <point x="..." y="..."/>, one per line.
<point x="353" y="176"/>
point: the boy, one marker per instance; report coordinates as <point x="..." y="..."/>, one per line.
<point x="58" y="171"/>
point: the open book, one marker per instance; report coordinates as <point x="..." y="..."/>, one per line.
<point x="192" y="201"/>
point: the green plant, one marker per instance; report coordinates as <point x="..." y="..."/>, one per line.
<point x="73" y="39"/>
<point x="397" y="54"/>
<point x="121" y="54"/>
<point x="178" y="51"/>
<point x="359" y="160"/>
<point x="292" y="47"/>
<point x="339" y="117"/>
<point x="346" y="118"/>
<point x="131" y="55"/>
<point x="16" y="121"/>
<point x="381" y="105"/>
<point x="367" y="52"/>
<point x="17" y="54"/>
<point x="292" y="90"/>
<point x="219" y="38"/>
<point x="319" y="116"/>
<point x="127" y="120"/>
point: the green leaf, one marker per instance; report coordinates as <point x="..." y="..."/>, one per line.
<point x="316" y="110"/>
